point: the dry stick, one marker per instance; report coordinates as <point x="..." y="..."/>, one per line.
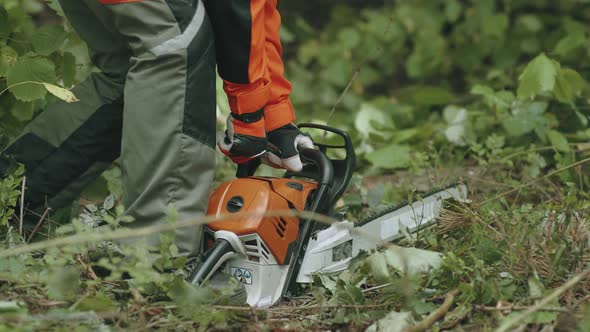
<point x="376" y="287"/>
<point x="39" y="223"/>
<point x="20" y="83"/>
<point x="541" y="304"/>
<point x="22" y="207"/>
<point x="345" y="91"/>
<point x="518" y="308"/>
<point x="101" y="234"/>
<point x="528" y="184"/>
<point x="436" y="314"/>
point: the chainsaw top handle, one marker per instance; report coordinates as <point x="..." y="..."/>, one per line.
<point x="343" y="168"/>
<point x="335" y="173"/>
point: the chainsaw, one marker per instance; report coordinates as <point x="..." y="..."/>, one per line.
<point x="274" y="256"/>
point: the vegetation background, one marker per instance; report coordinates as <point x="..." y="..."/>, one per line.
<point x="491" y="92"/>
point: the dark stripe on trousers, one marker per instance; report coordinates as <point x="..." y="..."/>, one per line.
<point x="49" y="172"/>
<point x="29" y="150"/>
<point x="200" y="96"/>
<point x="232" y="25"/>
<point x="183" y="11"/>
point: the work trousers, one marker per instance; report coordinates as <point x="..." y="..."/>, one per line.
<point x="152" y="105"/>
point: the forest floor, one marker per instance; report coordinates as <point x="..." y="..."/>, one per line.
<point x="515" y="257"/>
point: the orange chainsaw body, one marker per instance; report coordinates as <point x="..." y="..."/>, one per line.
<point x="255" y="196"/>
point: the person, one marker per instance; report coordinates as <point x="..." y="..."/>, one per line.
<point x="153" y="106"/>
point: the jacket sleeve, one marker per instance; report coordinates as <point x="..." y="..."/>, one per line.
<point x="249" y="58"/>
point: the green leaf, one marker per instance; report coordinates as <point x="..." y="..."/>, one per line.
<point x="431" y="95"/>
<point x="412" y="260"/>
<point x="8" y="57"/>
<point x="538" y="76"/>
<point x="495" y="25"/>
<point x="456" y="119"/>
<point x="393" y="322"/>
<point x="61" y="93"/>
<point x="11" y="306"/>
<point x="63" y="283"/>
<point x="378" y="266"/>
<point x="423" y="308"/>
<point x="68" y="69"/>
<point x="568" y="85"/>
<point x="558" y="140"/>
<point x="99" y="303"/>
<point x="56" y="6"/>
<point x="570" y="43"/>
<point x="349" y="37"/>
<point x="30" y="69"/>
<point x="4" y="23"/>
<point x="500" y="99"/>
<point x="48" y="39"/>
<point x="23" y="111"/>
<point x="391" y="157"/>
<point x="531" y="22"/>
<point x="372" y="121"/>
<point x="453" y="10"/>
<point x="526" y="119"/>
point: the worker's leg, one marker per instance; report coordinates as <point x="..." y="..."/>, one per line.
<point x="69" y="145"/>
<point x="169" y="118"/>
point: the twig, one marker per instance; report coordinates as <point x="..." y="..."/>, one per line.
<point x="436" y="314"/>
<point x="453" y="321"/>
<point x="39" y="223"/>
<point x="22" y="207"/>
<point x="88" y="270"/>
<point x="541" y="304"/>
<point x="20" y="83"/>
<point x="581" y="301"/>
<point x="518" y="308"/>
<point x="345" y="91"/>
<point x="100" y="234"/>
<point x="528" y="184"/>
<point x="376" y="287"/>
<point x="119" y="234"/>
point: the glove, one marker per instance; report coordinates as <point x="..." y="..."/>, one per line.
<point x="287" y="139"/>
<point x="244" y="139"/>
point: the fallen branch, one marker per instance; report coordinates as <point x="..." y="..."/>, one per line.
<point x="437" y="314"/>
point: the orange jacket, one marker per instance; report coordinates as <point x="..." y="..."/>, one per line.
<point x="249" y="58"/>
